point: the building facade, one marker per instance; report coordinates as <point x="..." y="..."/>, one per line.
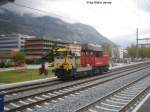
<point x="119" y="53"/>
<point x="35" y="48"/>
<point x="75" y="47"/>
<point x="11" y="42"/>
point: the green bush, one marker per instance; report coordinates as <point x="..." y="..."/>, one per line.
<point x="5" y="63"/>
<point x="29" y="60"/>
<point x="2" y="64"/>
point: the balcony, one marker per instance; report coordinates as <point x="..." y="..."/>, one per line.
<point x="34" y="48"/>
<point x="33" y="43"/>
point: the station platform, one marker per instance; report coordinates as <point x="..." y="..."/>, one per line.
<point x="144" y="105"/>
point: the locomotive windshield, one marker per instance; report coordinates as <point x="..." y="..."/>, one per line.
<point x="62" y="54"/>
<point x="98" y="53"/>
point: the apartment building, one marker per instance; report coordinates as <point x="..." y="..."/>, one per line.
<point x="38" y="47"/>
<point x="11" y="42"/>
<point x="118" y="52"/>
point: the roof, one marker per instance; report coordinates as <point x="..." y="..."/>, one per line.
<point x="93" y="47"/>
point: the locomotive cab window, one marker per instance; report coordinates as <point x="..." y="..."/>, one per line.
<point x="98" y="53"/>
<point x="60" y="55"/>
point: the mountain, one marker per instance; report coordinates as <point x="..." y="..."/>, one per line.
<point x="50" y="27"/>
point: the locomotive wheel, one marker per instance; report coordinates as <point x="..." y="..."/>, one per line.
<point x="73" y="74"/>
<point x="98" y="71"/>
<point x="67" y="75"/>
<point x="106" y="69"/>
<point x="90" y="73"/>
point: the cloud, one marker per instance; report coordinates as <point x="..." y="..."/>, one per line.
<point x="144" y="5"/>
<point x="1" y="11"/>
<point x="117" y="21"/>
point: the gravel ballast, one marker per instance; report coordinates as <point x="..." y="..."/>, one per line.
<point x="72" y="103"/>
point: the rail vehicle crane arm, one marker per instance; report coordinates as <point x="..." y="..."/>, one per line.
<point x="66" y="65"/>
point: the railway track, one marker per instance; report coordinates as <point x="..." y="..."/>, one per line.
<point x="122" y="100"/>
<point x="14" y="90"/>
<point x="21" y="88"/>
<point x="13" y="94"/>
<point x="26" y="103"/>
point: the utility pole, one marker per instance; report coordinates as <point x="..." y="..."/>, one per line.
<point x="146" y="44"/>
<point x="137" y="50"/>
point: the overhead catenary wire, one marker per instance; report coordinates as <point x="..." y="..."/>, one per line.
<point x="44" y="12"/>
<point x="135" y="12"/>
<point x="50" y="13"/>
<point x="35" y="9"/>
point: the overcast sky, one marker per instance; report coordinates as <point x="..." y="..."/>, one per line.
<point x="117" y="21"/>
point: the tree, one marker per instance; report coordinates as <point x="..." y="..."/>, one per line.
<point x="143" y="51"/>
<point x="19" y="57"/>
<point x="132" y="51"/>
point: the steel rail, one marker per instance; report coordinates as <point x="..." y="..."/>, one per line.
<point x="63" y="94"/>
<point x="124" y="108"/>
<point x="55" y="82"/>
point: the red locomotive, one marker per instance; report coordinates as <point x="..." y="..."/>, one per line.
<point x="90" y="61"/>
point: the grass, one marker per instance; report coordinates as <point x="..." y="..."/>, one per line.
<point x="22" y="75"/>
